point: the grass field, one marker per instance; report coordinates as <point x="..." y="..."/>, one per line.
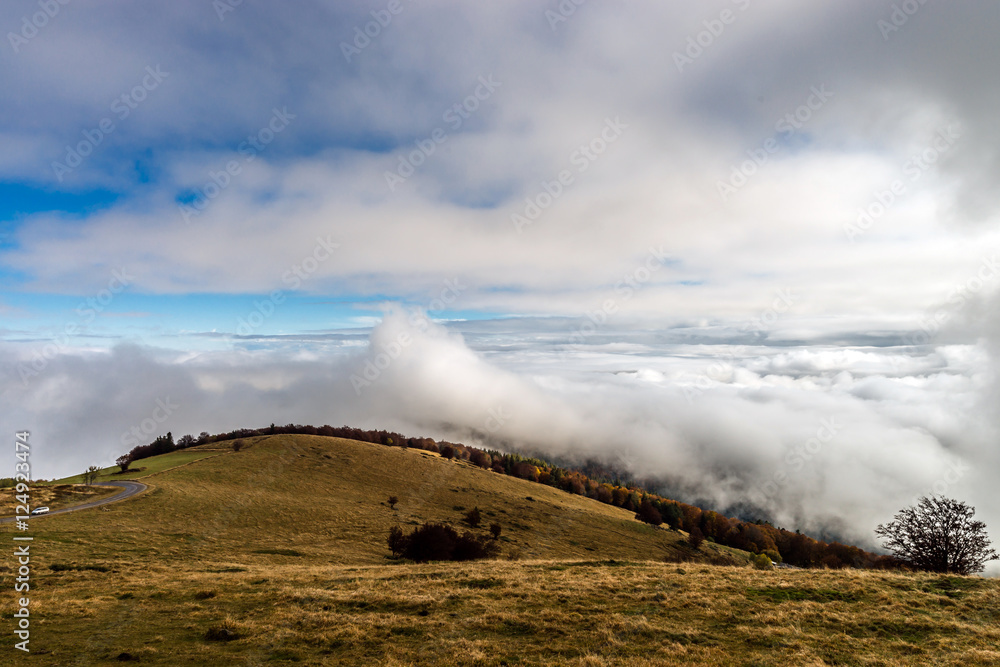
<point x="518" y="613"/>
<point x="144" y="467"/>
<point x="325" y="498"/>
<point x="56" y="496"/>
<point x="276" y="555"/>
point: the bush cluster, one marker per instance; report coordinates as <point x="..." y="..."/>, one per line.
<point x="438" y="541"/>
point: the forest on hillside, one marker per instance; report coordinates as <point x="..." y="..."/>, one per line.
<point x="758" y="537"/>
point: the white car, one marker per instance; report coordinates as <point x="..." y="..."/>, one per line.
<point x="40" y="510"/>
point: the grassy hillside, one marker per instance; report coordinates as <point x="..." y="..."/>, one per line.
<point x="326" y="500"/>
<point x="55" y="496"/>
<point x="145" y="467"/>
<point x="281" y="548"/>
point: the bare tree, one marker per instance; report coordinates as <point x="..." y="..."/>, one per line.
<point x="90" y="475"/>
<point x="939" y="535"/>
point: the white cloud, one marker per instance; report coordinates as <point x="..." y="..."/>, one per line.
<point x="700" y="370"/>
<point x="835" y="447"/>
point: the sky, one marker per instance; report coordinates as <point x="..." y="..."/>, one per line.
<point x="747" y="250"/>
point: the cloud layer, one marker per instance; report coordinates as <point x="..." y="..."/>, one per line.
<point x="746" y="248"/>
<point x="825" y="439"/>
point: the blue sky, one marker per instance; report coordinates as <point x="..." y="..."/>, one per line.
<point x="651" y="242"/>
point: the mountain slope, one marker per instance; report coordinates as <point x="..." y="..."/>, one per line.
<point x="326" y="499"/>
<point x="276" y="554"/>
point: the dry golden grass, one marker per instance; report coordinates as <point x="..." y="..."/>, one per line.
<point x="326" y="499"/>
<point x="512" y="613"/>
<point x="55" y="497"/>
<point x="281" y="548"/>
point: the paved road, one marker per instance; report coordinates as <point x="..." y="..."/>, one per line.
<point x="130" y="489"/>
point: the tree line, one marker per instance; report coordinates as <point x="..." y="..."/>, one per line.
<point x="759" y="537"/>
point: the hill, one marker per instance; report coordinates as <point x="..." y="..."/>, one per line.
<point x="146" y="467"/>
<point x="326" y="499"/>
<point x="595" y="480"/>
<point x="277" y="553"/>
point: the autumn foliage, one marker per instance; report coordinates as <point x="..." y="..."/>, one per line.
<point x="648" y="513"/>
<point x="757" y="537"/>
<point x="696" y="538"/>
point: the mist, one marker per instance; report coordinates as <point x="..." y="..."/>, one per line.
<point x="831" y="441"/>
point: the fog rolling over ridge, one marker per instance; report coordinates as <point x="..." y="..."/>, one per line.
<point x="747" y="249"/>
<point x="829" y="440"/>
<point x="820" y="438"/>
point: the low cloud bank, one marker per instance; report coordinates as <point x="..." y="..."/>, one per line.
<point x="828" y="440"/>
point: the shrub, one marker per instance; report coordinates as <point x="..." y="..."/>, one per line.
<point x="431" y="541"/>
<point x="237" y="445"/>
<point x="392" y="502"/>
<point x="470" y="547"/>
<point x="472" y="517"/>
<point x="773" y="555"/>
<point x="221" y="633"/>
<point x="448" y="452"/>
<point x="762" y="562"/>
<point x="436" y="541"/>
<point x="397" y="541"/>
<point x="495" y="530"/>
<point x="695" y="537"/>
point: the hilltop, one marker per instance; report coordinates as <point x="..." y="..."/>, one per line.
<point x="277" y="553"/>
<point x="596" y="481"/>
<point x="326" y="499"/>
